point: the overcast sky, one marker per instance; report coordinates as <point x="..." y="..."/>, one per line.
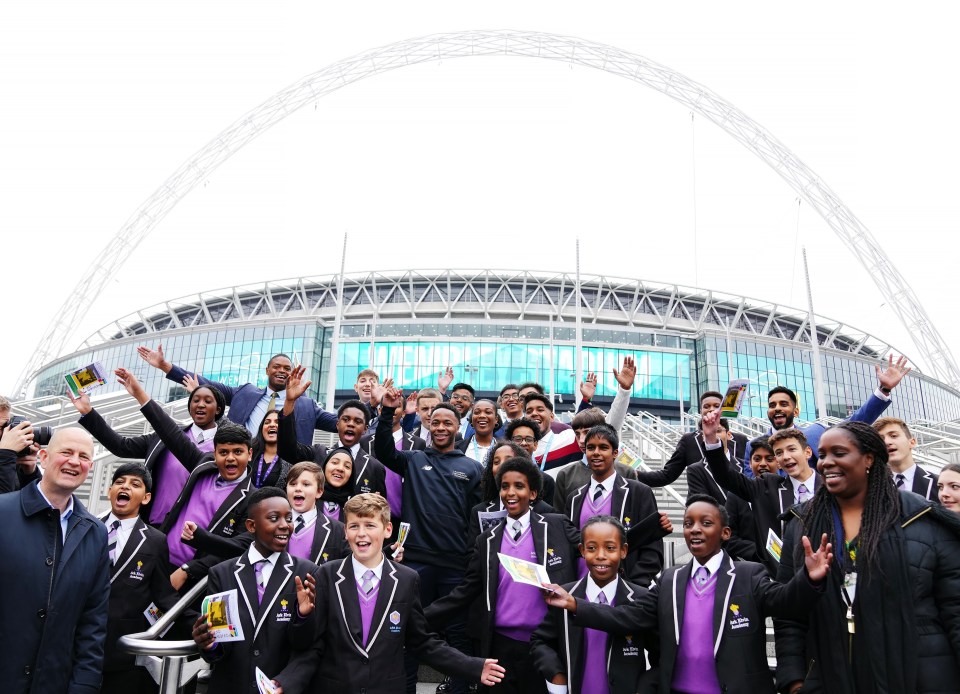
<point x="489" y="162"/>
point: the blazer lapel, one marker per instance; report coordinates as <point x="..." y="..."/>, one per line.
<point x="407" y="441"/>
<point x="349" y="603"/>
<point x="278" y="579"/>
<point x="621" y="494"/>
<point x="388" y="588"/>
<point x="723" y="493"/>
<point x="238" y="494"/>
<point x="494" y="539"/>
<point x="922" y="483"/>
<point x="785" y="496"/>
<point x="538" y="529"/>
<point x="321" y="534"/>
<point x="247" y="580"/>
<point x="721" y="600"/>
<point x="576" y="503"/>
<point x="573" y="636"/>
<point x="680" y="579"/>
<point x="138" y="535"/>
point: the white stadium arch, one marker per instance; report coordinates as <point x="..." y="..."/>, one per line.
<point x="893" y="287"/>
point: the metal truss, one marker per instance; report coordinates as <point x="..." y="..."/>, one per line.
<point x="501" y="295"/>
<point x="894" y="288"/>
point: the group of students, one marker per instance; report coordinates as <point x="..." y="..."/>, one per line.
<point x="303" y="531"/>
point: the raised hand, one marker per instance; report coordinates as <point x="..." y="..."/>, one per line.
<point x="555" y="596"/>
<point x="710" y="424"/>
<point x="445" y="379"/>
<point x="296" y="385"/>
<point x="817" y="563"/>
<point x="589" y="386"/>
<point x="627" y="373"/>
<point x="202" y="635"/>
<point x="376" y="394"/>
<point x="82" y="403"/>
<point x="191" y="383"/>
<point x="412" y="403"/>
<point x="392" y="397"/>
<point x="306" y="594"/>
<point x="132" y="385"/>
<point x="155" y="358"/>
<point x="492" y="673"/>
<point x="891" y="376"/>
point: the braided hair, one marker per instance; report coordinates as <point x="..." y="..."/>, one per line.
<point x="881" y="506"/>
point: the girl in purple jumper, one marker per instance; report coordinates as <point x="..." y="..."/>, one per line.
<point x="338" y="473"/>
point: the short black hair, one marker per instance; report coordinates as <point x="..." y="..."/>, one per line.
<point x="531" y="384"/>
<point x="446" y="406"/>
<point x="711" y="394"/>
<point x="515" y="424"/>
<point x="609" y="520"/>
<point x="707" y="499"/>
<point x="786" y="391"/>
<point x="464" y="386"/>
<point x="356" y="405"/>
<point x="217" y="397"/>
<point x="258" y="496"/>
<point x="488" y="485"/>
<point x="605" y="432"/>
<point x="277" y="356"/>
<point x="760" y="442"/>
<point x="231" y="432"/>
<point x="134" y="470"/>
<point x="525" y="467"/>
<point x="538" y="397"/>
<point x="508" y="387"/>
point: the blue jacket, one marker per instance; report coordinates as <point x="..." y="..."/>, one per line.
<point x="243" y="399"/>
<point x="54" y="608"/>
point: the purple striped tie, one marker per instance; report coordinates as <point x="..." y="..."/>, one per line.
<point x="112" y="541"/>
<point x="258" y="570"/>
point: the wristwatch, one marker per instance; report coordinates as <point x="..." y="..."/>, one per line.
<point x="185" y="568"/>
<point x="884" y="390"/>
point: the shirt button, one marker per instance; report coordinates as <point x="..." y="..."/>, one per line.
<point x="26" y="670"/>
<point x="41" y="613"/>
<point x="49" y="561"/>
<point x="256" y="654"/>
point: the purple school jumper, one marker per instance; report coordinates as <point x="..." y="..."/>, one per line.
<point x="173" y="478"/>
<point x="204" y="501"/>
<point x="695" y="671"/>
<point x="595" y="679"/>
<point x="395" y="486"/>
<point x="588" y="511"/>
<point x="520" y="607"/>
<point x="367" y="603"/>
<point x="300" y="545"/>
<point x="335" y="513"/>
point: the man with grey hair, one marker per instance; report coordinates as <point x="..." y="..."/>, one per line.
<point x="55" y="577"/>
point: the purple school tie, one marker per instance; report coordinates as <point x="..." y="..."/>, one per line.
<point x="598" y="493"/>
<point x="803" y="493"/>
<point x="112" y="541"/>
<point x="701" y="575"/>
<point x="601" y="598"/>
<point x="258" y="570"/>
<point x="369" y="582"/>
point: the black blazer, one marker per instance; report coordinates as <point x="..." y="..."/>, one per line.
<point x="410" y="442"/>
<point x="140" y="576"/>
<point x="700" y="480"/>
<point x="398" y="624"/>
<point x="690" y="449"/>
<point x="555" y="541"/>
<point x="925" y="484"/>
<point x="632" y="503"/>
<point x="574" y="475"/>
<point x="745" y="596"/>
<point x="276" y="641"/>
<point x="474" y="530"/>
<point x="557" y="645"/>
<point x="149" y="448"/>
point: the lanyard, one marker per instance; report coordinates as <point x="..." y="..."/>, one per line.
<point x="261" y="475"/>
<point x="546" y="451"/>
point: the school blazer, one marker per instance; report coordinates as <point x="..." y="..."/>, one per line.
<point x="243" y="399"/>
<point x="555" y="541"/>
<point x="557" y="645"/>
<point x="409" y="442"/>
<point x="925" y="484"/>
<point x="700" y="480"/>
<point x="473" y="528"/>
<point x="368" y="475"/>
<point x="690" y="450"/>
<point x="149" y="447"/>
<point x="275" y="640"/>
<point x="745" y="596"/>
<point x="140" y="576"/>
<point x="346" y="664"/>
<point x="632" y="502"/>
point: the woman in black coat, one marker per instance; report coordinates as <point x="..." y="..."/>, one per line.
<point x="890" y="618"/>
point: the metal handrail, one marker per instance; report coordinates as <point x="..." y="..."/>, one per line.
<point x="148" y="643"/>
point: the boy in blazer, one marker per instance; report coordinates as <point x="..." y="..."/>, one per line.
<point x="629" y="501"/>
<point x="709" y="613"/>
<point x="276" y="595"/>
<point x="511" y="611"/>
<point x="906" y="473"/>
<point x="139" y="576"/>
<point x="566" y="654"/>
<point x="368" y="612"/>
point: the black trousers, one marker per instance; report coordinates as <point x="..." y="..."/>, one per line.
<point x="522" y="677"/>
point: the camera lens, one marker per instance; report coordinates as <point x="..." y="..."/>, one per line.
<point x="42" y="435"/>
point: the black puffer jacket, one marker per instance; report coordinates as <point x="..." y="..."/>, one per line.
<point x="817" y="651"/>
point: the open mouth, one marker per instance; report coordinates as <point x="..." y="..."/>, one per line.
<point x="511" y="504"/>
<point x="601" y="569"/>
<point x="779" y="420"/>
<point x="696" y="542"/>
<point x="363" y="545"/>
<point x="122" y="500"/>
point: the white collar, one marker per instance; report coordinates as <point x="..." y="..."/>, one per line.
<point x="355" y="449"/>
<point x="253" y="554"/>
<point x="712" y="566"/>
<point x="609" y="590"/>
<point x="359" y="569"/>
<point x="206" y="434"/>
<point x="309" y="517"/>
<point x="398" y="434"/>
<point x="125" y="523"/>
<point x="607" y="482"/>
<point x="810" y="483"/>
<point x="908" y="476"/>
<point x="524" y="522"/>
<point x="232" y="483"/>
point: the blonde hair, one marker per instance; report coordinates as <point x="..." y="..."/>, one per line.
<point x="368" y="506"/>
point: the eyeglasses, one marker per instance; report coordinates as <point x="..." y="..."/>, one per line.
<point x="458" y="397"/>
<point x="524" y="439"/>
<point x="510" y="396"/>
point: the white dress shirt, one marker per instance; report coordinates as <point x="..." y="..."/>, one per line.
<point x="712" y="565"/>
<point x="203" y="435"/>
<point x="123" y="532"/>
<point x="260" y="411"/>
<point x="908" y="475"/>
<point x="607" y="483"/>
<point x="253" y="556"/>
<point x="359" y="569"/>
<point x="809" y="483"/>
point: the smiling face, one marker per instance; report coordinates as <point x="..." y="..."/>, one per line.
<point x="510" y="402"/>
<point x="203" y="407"/>
<point x="278" y="371"/>
<point x="424" y="408"/>
<point x="793" y="458"/>
<point x="366" y="535"/>
<point x="66" y="461"/>
<point x="500" y="455"/>
<point x="351" y="425"/>
<point x="948" y="490"/>
<point x="126" y="494"/>
<point x="268" y="432"/>
<point x="703" y="530"/>
<point x="763" y="460"/>
<point x="843" y="466"/>
<point x="444" y="426"/>
<point x="538" y="411"/>
<point x="304" y="492"/>
<point x="484" y="418"/>
<point x="600" y="457"/>
<point x="364" y="386"/>
<point x="781" y="410"/>
<point x="462" y="400"/>
<point x="231" y="459"/>
<point x="899" y="446"/>
<point x="526" y="438"/>
<point x="709" y="404"/>
<point x="515" y="493"/>
<point x="338" y="469"/>
<point x="602" y="550"/>
<point x="270" y="521"/>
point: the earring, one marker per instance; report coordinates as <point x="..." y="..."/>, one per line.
<point x="868" y="470"/>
